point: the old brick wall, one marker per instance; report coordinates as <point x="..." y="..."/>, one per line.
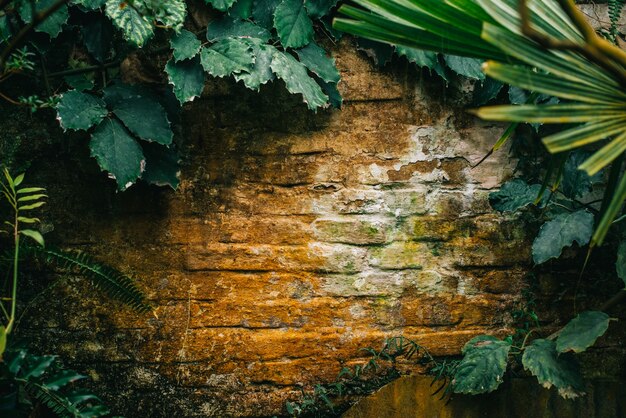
<point x="294" y="240"/>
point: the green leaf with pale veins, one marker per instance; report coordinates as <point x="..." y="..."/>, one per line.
<point x="53" y="25"/>
<point x="319" y="63"/>
<point x="162" y="167"/>
<point x="482" y="367"/>
<point x="221" y="5"/>
<point x="187" y="77"/>
<point x="170" y="13"/>
<point x="227" y="27"/>
<point x="419" y="57"/>
<point x="319" y="8"/>
<point x="560" y="232"/>
<point x="263" y="12"/>
<point x="552" y="369"/>
<point x="117" y="152"/>
<point x="77" y="110"/>
<point x="89" y="4"/>
<point x="294" y="27"/>
<point x="260" y="73"/>
<point x="135" y="27"/>
<point x="295" y="76"/>
<point x="227" y="56"/>
<point x="145" y="118"/>
<point x="582" y="332"/>
<point x="513" y="195"/>
<point x="467" y="67"/>
<point x="185" y="45"/>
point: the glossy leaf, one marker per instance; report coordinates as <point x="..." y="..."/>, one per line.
<point x="561" y="232"/>
<point x="80" y="111"/>
<point x="582" y="332"/>
<point x="295" y="76"/>
<point x="552" y="369"/>
<point x="319" y="63"/>
<point x="467" y="67"/>
<point x="185" y="45"/>
<point x="135" y="27"/>
<point x="263" y="12"/>
<point x="294" y="27"/>
<point x="482" y="367"/>
<point x="227" y="56"/>
<point x="187" y="77"/>
<point x="145" y="118"/>
<point x="117" y="152"/>
<point x="261" y="72"/>
<point x="419" y="57"/>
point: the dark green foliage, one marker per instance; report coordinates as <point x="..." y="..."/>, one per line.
<point x="114" y="283"/>
<point x="514" y="195"/>
<point x="561" y="232"/>
<point x="27" y="380"/>
<point x="582" y="332"/>
<point x="483" y="365"/>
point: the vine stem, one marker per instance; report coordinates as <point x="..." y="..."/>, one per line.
<point x="16" y="257"/>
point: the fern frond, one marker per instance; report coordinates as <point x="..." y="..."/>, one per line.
<point x="58" y="404"/>
<point x="116" y="284"/>
<point x="615" y="10"/>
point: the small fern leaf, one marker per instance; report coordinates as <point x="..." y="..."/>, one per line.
<point x="54" y="401"/>
<point x="136" y="27"/>
<point x="116" y="284"/>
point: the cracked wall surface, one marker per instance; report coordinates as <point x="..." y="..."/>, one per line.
<point x="294" y="240"/>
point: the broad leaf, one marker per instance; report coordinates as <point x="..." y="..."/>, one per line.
<point x="162" y="167"/>
<point x="221" y="5"/>
<point x="89" y="4"/>
<point x="575" y="182"/>
<point x="145" y="118"/>
<point x="97" y="34"/>
<point x="261" y="72"/>
<point x="560" y="232"/>
<point x="34" y="235"/>
<point x="185" y="45"/>
<point x="187" y="77"/>
<point x="620" y="264"/>
<point x="552" y="369"/>
<point x="53" y="25"/>
<point x="170" y="13"/>
<point x="242" y="9"/>
<point x="319" y="8"/>
<point x="513" y="195"/>
<point x="483" y="365"/>
<point x="263" y="12"/>
<point x="467" y="67"/>
<point x="294" y="27"/>
<point x="77" y="110"/>
<point x="319" y="63"/>
<point x="226" y="57"/>
<point x="227" y="27"/>
<point x="419" y="57"/>
<point x="295" y="76"/>
<point x="582" y="332"/>
<point x="135" y="27"/>
<point x="334" y="97"/>
<point x="486" y="91"/>
<point x="80" y="82"/>
<point x="117" y="152"/>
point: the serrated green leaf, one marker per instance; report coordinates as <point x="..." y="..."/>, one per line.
<point x="36" y="366"/>
<point x="561" y="232"/>
<point x="242" y="9"/>
<point x="61" y="379"/>
<point x="227" y="56"/>
<point x="319" y="8"/>
<point x="263" y="12"/>
<point x="552" y="369"/>
<point x="582" y="332"/>
<point x="295" y="76"/>
<point x="517" y="95"/>
<point x="226" y="27"/>
<point x="80" y="111"/>
<point x="379" y="52"/>
<point x="294" y="27"/>
<point x="482" y="367"/>
<point x="79" y="82"/>
<point x="135" y="27"/>
<point x="185" y="44"/>
<point x="467" y="67"/>
<point x="221" y="5"/>
<point x="162" y="167"/>
<point x="170" y="13"/>
<point x="486" y="91"/>
<point x="334" y="97"/>
<point x="576" y="182"/>
<point x="35" y="235"/>
<point x="319" y="63"/>
<point x="261" y="72"/>
<point x="97" y="33"/>
<point x="513" y="195"/>
<point x="53" y="25"/>
<point x="187" y="77"/>
<point x="620" y="264"/>
<point x="145" y="118"/>
<point x="419" y="57"/>
<point x="89" y="4"/>
<point x="117" y="152"/>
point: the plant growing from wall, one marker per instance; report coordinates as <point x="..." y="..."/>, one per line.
<point x="548" y="48"/>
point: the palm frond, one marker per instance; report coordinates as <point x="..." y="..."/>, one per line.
<point x="116" y="284"/>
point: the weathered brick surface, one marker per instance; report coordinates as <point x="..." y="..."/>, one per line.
<point x="294" y="240"/>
